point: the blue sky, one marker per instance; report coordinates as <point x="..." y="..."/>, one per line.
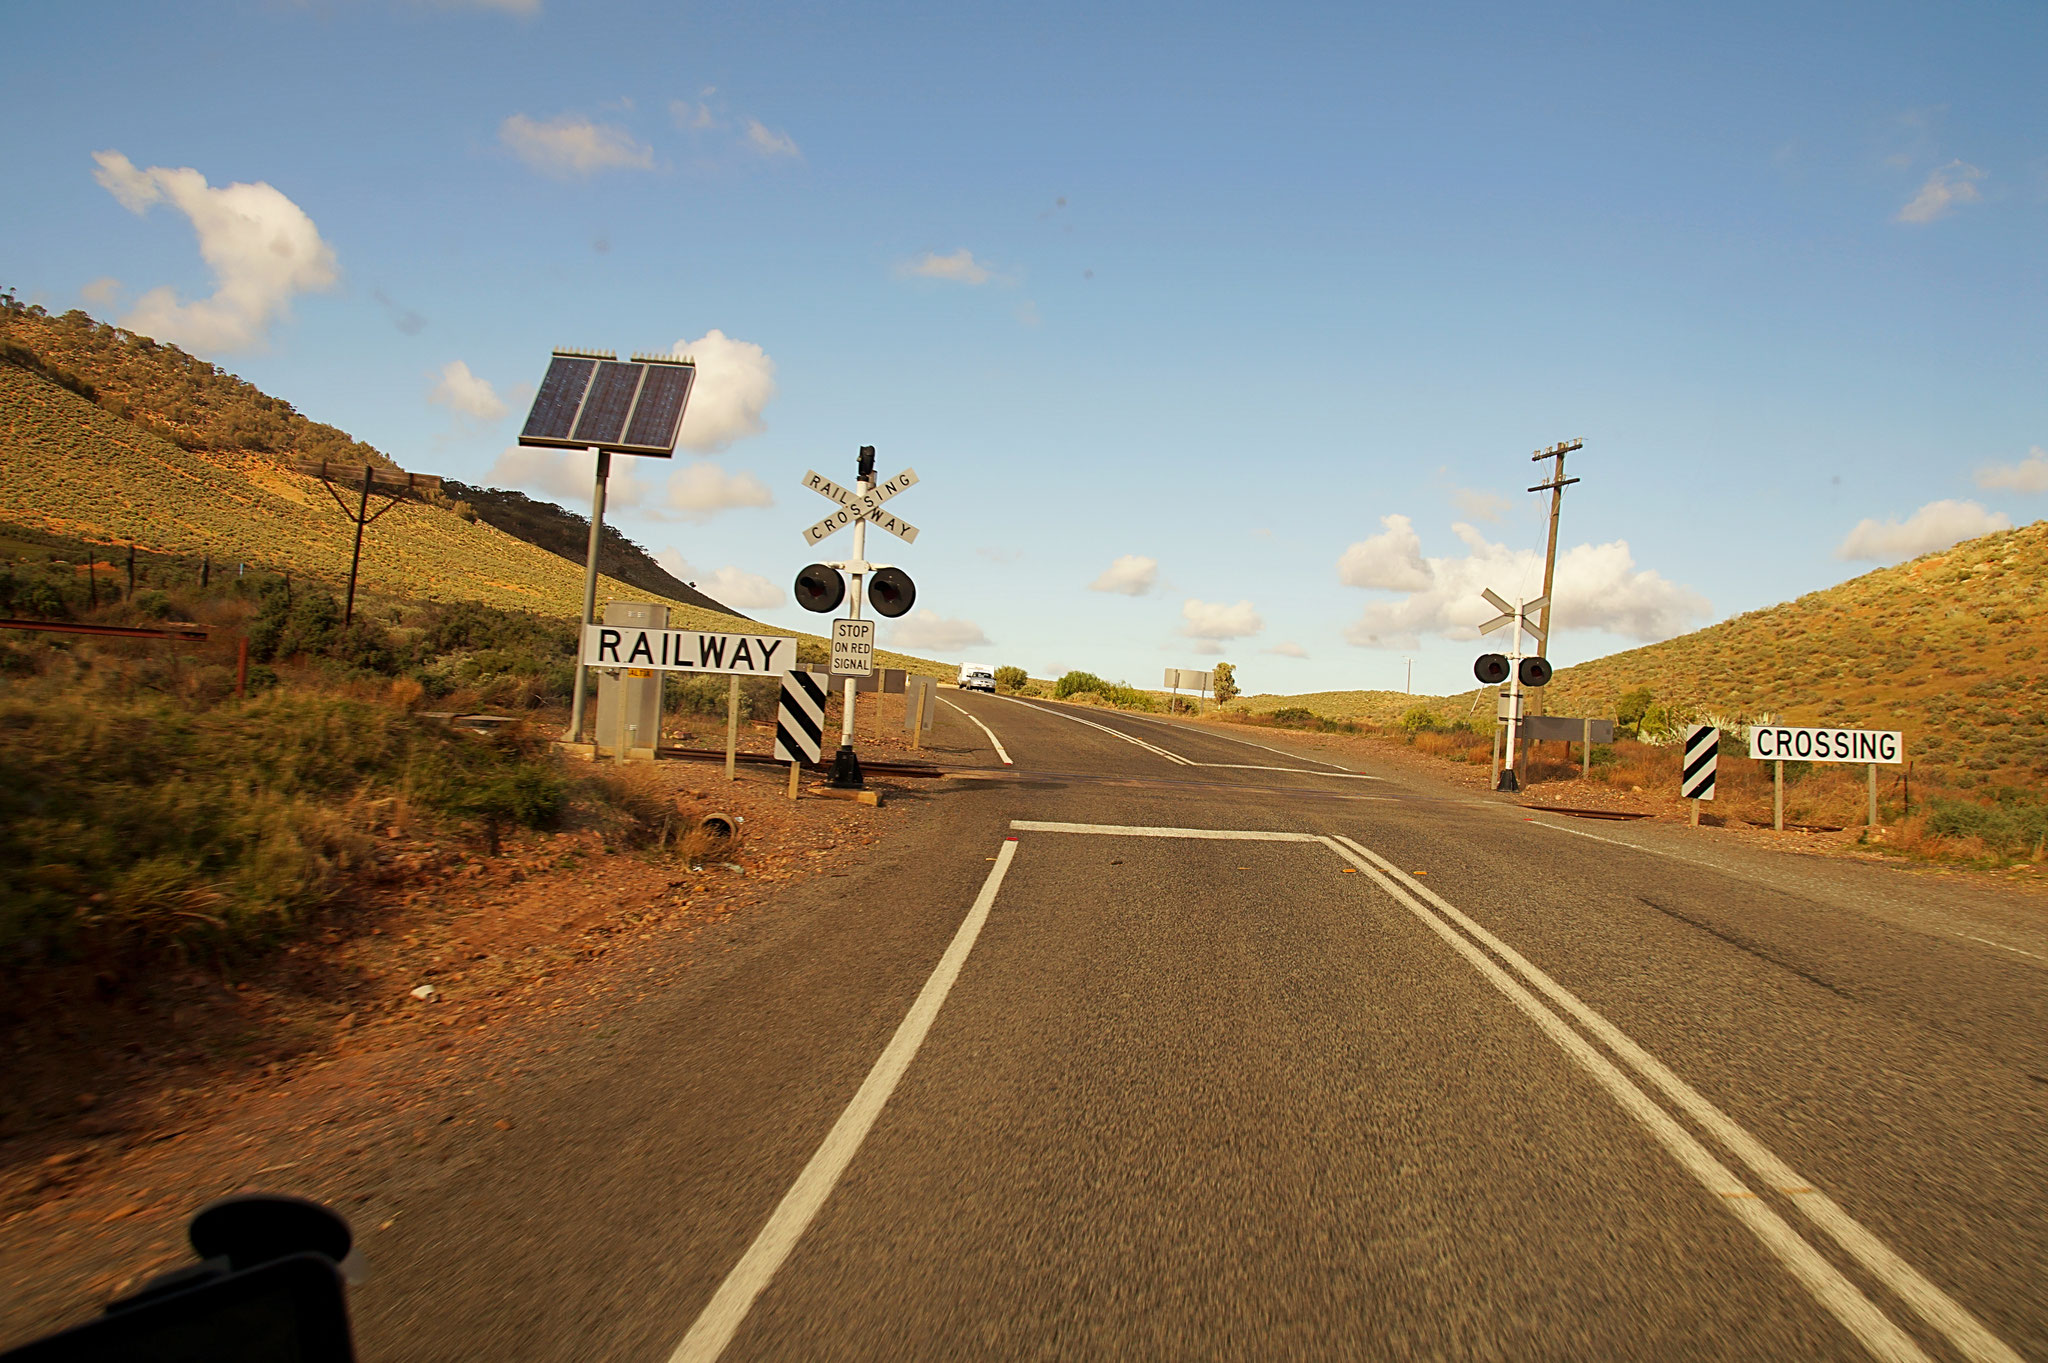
<point x="1211" y="331"/>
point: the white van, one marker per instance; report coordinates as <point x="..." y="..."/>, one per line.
<point x="977" y="677"/>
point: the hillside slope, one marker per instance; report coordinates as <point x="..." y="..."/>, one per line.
<point x="71" y="467"/>
<point x="1948" y="648"/>
<point x="197" y="406"/>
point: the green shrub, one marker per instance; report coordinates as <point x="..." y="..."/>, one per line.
<point x="1011" y="679"/>
<point x="2013" y="827"/>
<point x="1420" y="719"/>
<point x="1075" y="682"/>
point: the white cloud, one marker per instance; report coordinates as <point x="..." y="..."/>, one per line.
<point x="960" y="268"/>
<point x="734" y="385"/>
<point x="694" y="115"/>
<point x="1391" y="560"/>
<point x="1934" y="526"/>
<point x="466" y="394"/>
<point x="1949" y="185"/>
<point x="730" y="585"/>
<point x="767" y="142"/>
<point x="101" y="291"/>
<point x="1598" y="586"/>
<point x="703" y="489"/>
<point x="564" y="477"/>
<point x="926" y="629"/>
<point x="2029" y="475"/>
<point x="1480" y="506"/>
<point x="261" y="247"/>
<point x="572" y="145"/>
<point x="1130" y="575"/>
<point x="1289" y="649"/>
<point x="1216" y="620"/>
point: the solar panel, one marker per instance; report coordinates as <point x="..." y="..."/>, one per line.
<point x="658" y="416"/>
<point x="591" y="399"/>
<point x="608" y="403"/>
<point x="561" y="395"/>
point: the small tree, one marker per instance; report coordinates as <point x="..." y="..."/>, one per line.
<point x="1011" y="679"/>
<point x="1223" y="683"/>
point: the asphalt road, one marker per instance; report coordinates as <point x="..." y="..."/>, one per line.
<point x="1394" y="1071"/>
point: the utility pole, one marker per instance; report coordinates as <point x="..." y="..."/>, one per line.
<point x="1555" y="487"/>
<point x="1411" y="675"/>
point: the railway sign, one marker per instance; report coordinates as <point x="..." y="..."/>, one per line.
<point x="853" y="648"/>
<point x="686" y="650"/>
<point x="1882" y="747"/>
<point x="860" y="506"/>
<point x="1696" y="771"/>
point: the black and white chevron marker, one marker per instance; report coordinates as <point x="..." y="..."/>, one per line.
<point x="1702" y="745"/>
<point x="800" y="718"/>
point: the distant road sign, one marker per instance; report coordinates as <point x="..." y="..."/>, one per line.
<point x="1186" y="679"/>
<point x="1696" y="771"/>
<point x="1884" y="747"/>
<point x="800" y="718"/>
<point x="853" y="648"/>
<point x="687" y="650"/>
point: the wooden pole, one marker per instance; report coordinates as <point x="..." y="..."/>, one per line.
<point x="1873" y="795"/>
<point x="1586" y="757"/>
<point x="1778" y="798"/>
<point x="917" y="729"/>
<point x="794" y="768"/>
<point x="732" y="729"/>
<point x="241" y="667"/>
<point x="1557" y="484"/>
<point x="1695" y="813"/>
<point x="355" y="558"/>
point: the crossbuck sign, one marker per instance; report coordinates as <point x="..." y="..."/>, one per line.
<point x="858" y="506"/>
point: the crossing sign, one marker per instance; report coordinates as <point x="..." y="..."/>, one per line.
<point x="853" y="648"/>
<point x="860" y="506"/>
<point x="1696" y="774"/>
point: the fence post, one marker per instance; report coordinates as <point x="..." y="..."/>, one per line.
<point x="1873" y="795"/>
<point x="1778" y="797"/>
<point x="732" y="729"/>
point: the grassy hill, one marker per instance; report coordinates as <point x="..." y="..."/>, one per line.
<point x="112" y="438"/>
<point x="1951" y="648"/>
<point x="1947" y="648"/>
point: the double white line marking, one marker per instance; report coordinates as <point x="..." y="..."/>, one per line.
<point x="1828" y="1284"/>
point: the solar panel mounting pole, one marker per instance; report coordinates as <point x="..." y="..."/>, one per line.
<point x="604" y="469"/>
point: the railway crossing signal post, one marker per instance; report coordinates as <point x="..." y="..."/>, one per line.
<point x="889" y="589"/>
<point x="1518" y="669"/>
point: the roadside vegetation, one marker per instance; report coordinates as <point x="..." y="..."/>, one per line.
<point x="147" y="810"/>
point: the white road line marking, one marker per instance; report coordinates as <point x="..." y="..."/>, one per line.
<point x="2000" y="945"/>
<point x="1878" y="1333"/>
<point x="1000" y="751"/>
<point x="1113" y="733"/>
<point x="1298" y="771"/>
<point x="1191" y="762"/>
<point x="1232" y="738"/>
<point x="729" y="1305"/>
<point x="1934" y="1306"/>
<point x="1138" y="831"/>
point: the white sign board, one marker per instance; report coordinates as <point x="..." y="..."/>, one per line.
<point x="687" y="650"/>
<point x="1185" y="679"/>
<point x="853" y="648"/>
<point x="856" y="506"/>
<point x="1885" y="747"/>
